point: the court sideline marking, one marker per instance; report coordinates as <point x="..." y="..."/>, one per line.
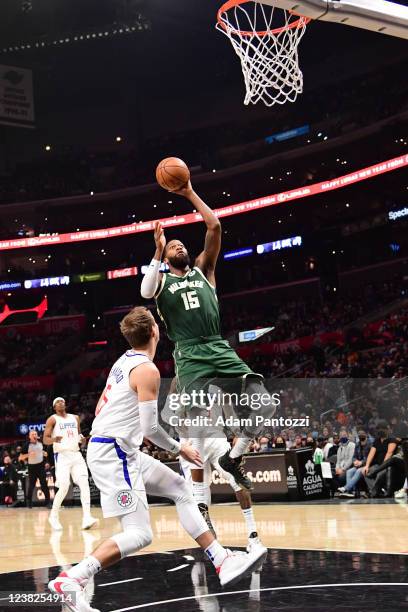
<point x="284" y="588"/>
<point x="118" y="582"/>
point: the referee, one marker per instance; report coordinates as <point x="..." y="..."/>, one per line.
<point x="33" y="451"/>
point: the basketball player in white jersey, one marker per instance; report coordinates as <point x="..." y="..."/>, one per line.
<point x="63" y="431"/>
<point x="125" y="414"/>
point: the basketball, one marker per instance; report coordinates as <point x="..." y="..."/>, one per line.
<point x="172" y="173"/>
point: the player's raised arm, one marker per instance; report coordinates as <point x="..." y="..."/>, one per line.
<point x="207" y="259"/>
<point x="145" y="381"/>
<point x="152" y="278"/>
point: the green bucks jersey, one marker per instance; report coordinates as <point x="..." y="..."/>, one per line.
<point x="188" y="306"/>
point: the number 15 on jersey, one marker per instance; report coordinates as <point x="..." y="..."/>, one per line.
<point x="190" y="299"/>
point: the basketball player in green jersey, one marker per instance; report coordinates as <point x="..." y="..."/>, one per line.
<point x="187" y="302"/>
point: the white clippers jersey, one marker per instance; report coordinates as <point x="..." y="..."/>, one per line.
<point x="117" y="412"/>
<point x="67" y="428"/>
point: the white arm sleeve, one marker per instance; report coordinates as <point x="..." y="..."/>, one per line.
<point x="149" y="423"/>
<point x="150" y="280"/>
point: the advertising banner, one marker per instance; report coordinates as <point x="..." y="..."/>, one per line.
<point x="28" y="383"/>
<point x="281" y="136"/>
<point x="23" y="429"/>
<point x="227" y="211"/>
<point x="45" y="327"/>
<point x="287" y="475"/>
<point x="16" y="97"/>
<point x="88" y="277"/>
<point x="122" y="273"/>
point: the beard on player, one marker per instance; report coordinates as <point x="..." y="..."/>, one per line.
<point x="179" y="261"/>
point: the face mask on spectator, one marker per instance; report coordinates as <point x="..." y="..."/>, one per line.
<point x="280" y="445"/>
<point x="362" y="438"/>
<point x="381" y="433"/>
<point x="344" y="439"/>
<point x="264" y="446"/>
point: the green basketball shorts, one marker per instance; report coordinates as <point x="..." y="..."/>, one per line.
<point x="199" y="360"/>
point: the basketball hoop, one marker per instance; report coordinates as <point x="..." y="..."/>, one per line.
<point x="266" y="40"/>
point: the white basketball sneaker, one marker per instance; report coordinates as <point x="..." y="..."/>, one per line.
<point x="54" y="521"/>
<point x="401" y="494"/>
<point x="255" y="544"/>
<point x="236" y="564"/>
<point x="74" y="599"/>
<point x="88" y="522"/>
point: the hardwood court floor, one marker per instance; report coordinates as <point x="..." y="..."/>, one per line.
<point x="28" y="542"/>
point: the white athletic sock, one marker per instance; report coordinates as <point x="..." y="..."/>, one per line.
<point x="85" y="569"/>
<point x="216" y="553"/>
<point x="250" y="520"/>
<point x="240" y="447"/>
<point x="199" y="492"/>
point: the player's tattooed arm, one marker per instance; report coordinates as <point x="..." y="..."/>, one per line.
<point x="47" y="438"/>
<point x="207" y="259"/>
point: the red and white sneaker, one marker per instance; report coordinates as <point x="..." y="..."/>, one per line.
<point x="236" y="564"/>
<point x="64" y="585"/>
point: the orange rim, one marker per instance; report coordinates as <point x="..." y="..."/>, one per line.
<point x="298" y="23"/>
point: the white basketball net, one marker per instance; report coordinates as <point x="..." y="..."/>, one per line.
<point x="266" y="39"/>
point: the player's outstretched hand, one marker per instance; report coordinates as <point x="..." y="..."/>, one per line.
<point x="159" y="237"/>
<point x="190" y="454"/>
<point x="185" y="191"/>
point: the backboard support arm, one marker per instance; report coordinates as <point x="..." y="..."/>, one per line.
<point x="375" y="15"/>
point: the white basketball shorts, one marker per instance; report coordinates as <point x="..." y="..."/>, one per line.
<point x="117" y="474"/>
<point x="69" y="464"/>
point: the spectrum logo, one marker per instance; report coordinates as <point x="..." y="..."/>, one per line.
<point x="393" y="215"/>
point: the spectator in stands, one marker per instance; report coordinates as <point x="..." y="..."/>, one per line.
<point x="280" y="443"/>
<point x="345" y="453"/>
<point x="334" y="448"/>
<point x="310" y="443"/>
<point x="318" y="455"/>
<point x="8" y="482"/>
<point x="14" y="458"/>
<point x="264" y="445"/>
<point x="402" y="493"/>
<point x="355" y="474"/>
<point x="375" y="469"/>
<point x="326" y="445"/>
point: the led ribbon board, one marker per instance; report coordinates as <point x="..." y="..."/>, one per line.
<point x="227" y="211"/>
